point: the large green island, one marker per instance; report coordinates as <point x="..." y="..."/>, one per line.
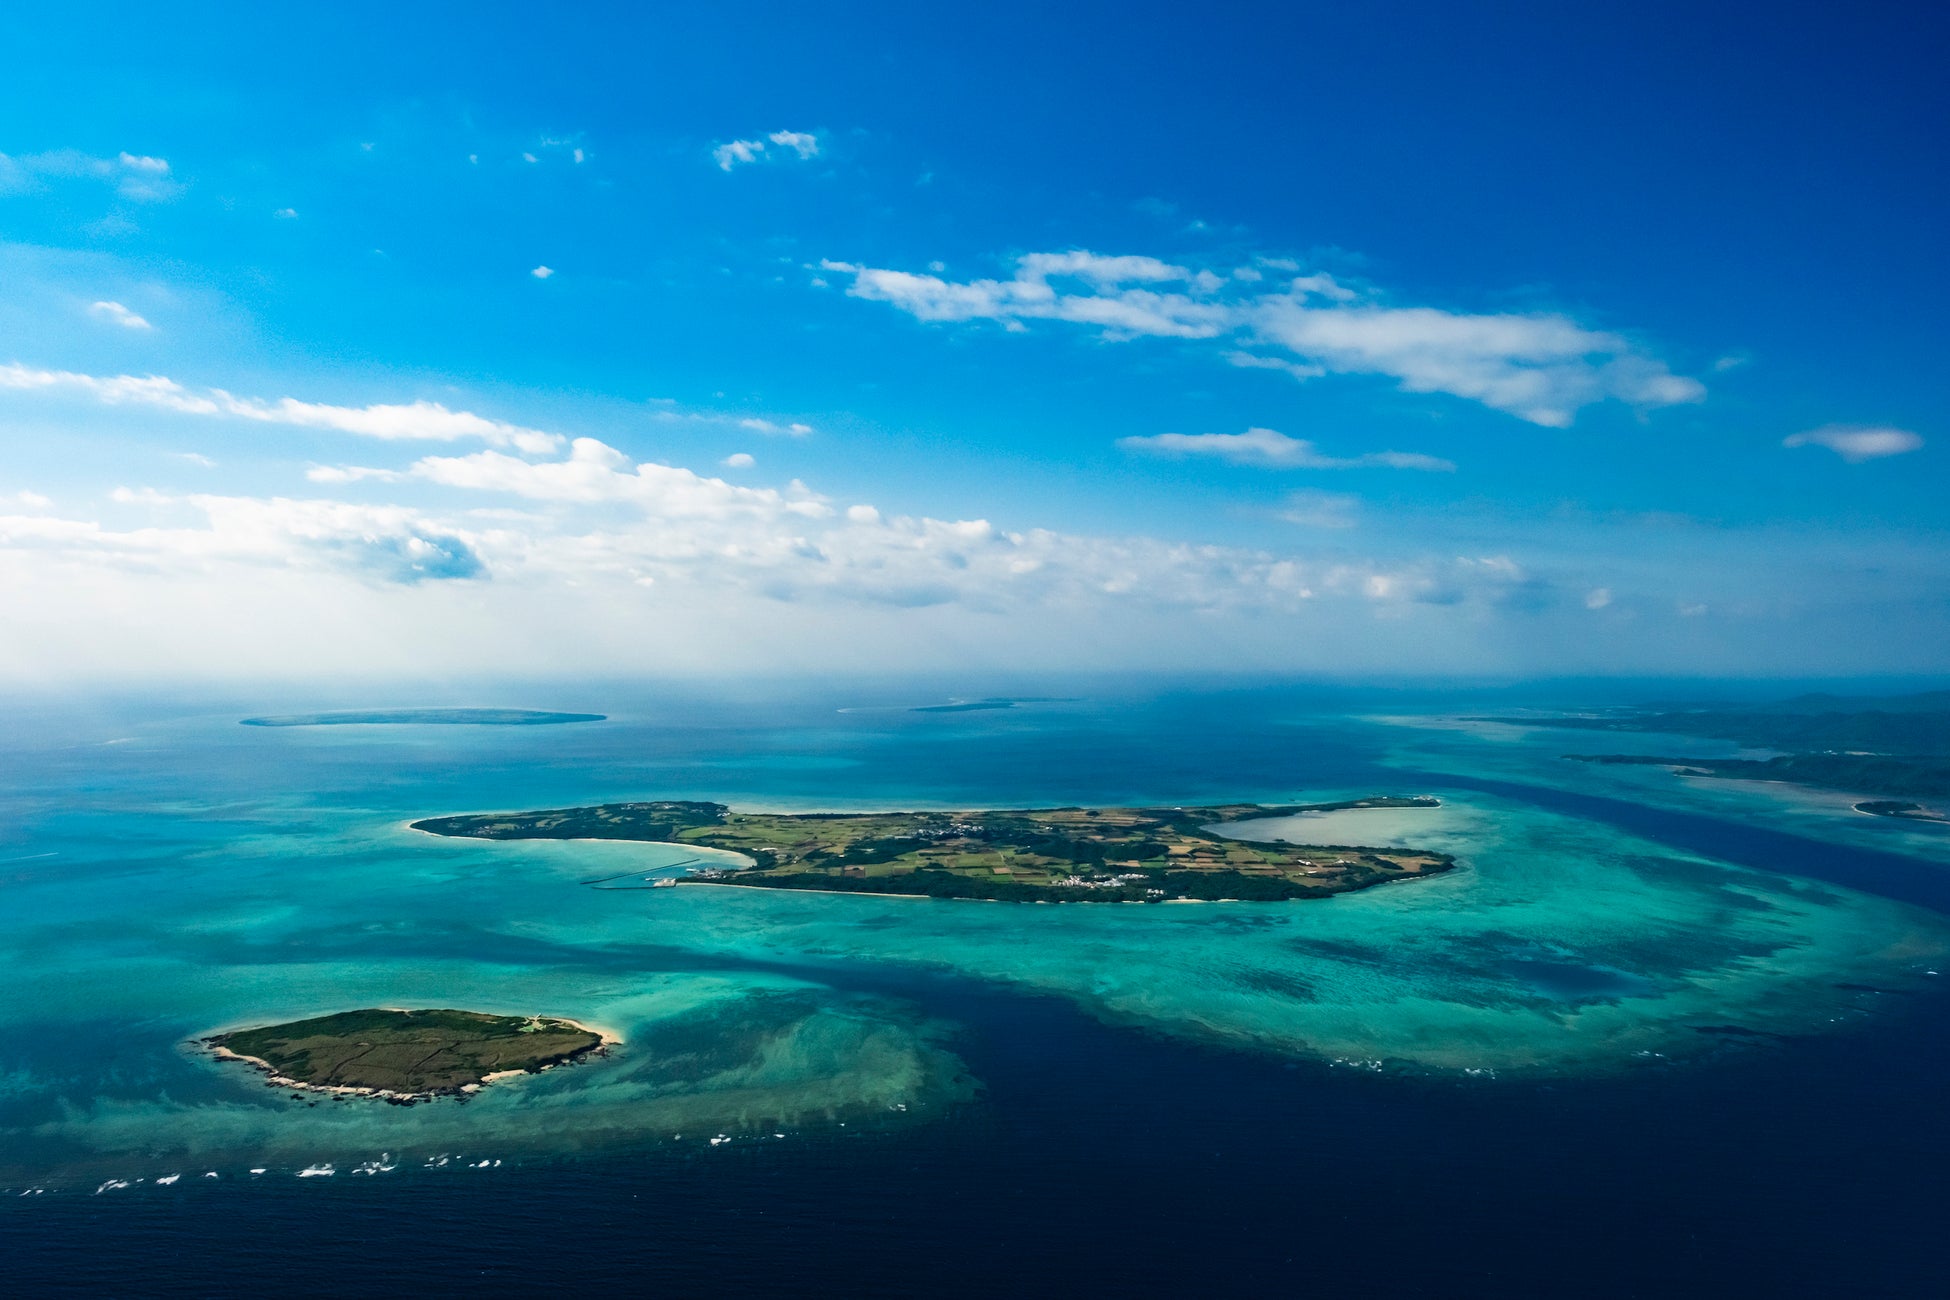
<point x="1099" y="855"/>
<point x="405" y="1056"/>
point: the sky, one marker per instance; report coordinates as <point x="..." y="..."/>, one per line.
<point x="1357" y="341"/>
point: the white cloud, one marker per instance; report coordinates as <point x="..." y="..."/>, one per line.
<point x="555" y="145"/>
<point x="758" y="424"/>
<point x="542" y="272"/>
<point x="739" y="460"/>
<point x="1270" y="449"/>
<point x="286" y="214"/>
<point x="1855" y="443"/>
<point x="729" y="155"/>
<point x="428" y="421"/>
<point x="733" y="153"/>
<point x="335" y="474"/>
<point x="133" y="176"/>
<point x="1253" y="361"/>
<point x="1597" y="598"/>
<point x="1541" y="367"/>
<point x="411" y="421"/>
<point x="33" y="500"/>
<point x="152" y="390"/>
<point x="596" y="472"/>
<point x="120" y="315"/>
<point x="803" y="143"/>
<point x="1110" y="305"/>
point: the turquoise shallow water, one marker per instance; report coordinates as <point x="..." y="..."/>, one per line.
<point x="168" y="874"/>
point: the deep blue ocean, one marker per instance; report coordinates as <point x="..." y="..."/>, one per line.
<point x="1132" y="1124"/>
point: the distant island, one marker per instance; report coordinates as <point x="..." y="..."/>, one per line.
<point x="990" y="702"/>
<point x="1098" y="855"/>
<point x="1896" y="746"/>
<point x="1878" y="774"/>
<point x="405" y="1056"/>
<point x="1889" y="724"/>
<point x="425" y="717"/>
<point x="1905" y="811"/>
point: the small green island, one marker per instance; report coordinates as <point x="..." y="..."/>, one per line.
<point x="1095" y="855"/>
<point x="405" y="1056"/>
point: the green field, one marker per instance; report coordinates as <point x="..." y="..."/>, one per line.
<point x="1015" y="855"/>
<point x="408" y="1052"/>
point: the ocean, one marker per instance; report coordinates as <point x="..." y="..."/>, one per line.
<point x="1655" y="1037"/>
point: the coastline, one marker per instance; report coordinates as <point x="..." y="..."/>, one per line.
<point x="787" y="889"/>
<point x="1034" y="902"/>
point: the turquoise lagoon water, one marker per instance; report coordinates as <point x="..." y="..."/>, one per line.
<point x="168" y="874"/>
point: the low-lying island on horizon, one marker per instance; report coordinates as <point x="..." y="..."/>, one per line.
<point x="1098" y="855"/>
<point x="424" y="718"/>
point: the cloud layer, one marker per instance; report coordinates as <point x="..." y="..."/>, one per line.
<point x="532" y="509"/>
<point x="532" y="550"/>
<point x="200" y="535"/>
<point x="1540" y="367"/>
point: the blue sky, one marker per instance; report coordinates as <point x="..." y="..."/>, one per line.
<point x="1377" y="339"/>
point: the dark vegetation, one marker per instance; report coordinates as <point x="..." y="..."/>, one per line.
<point x="659" y="821"/>
<point x="409" y="1052"/>
<point x="1156" y="886"/>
